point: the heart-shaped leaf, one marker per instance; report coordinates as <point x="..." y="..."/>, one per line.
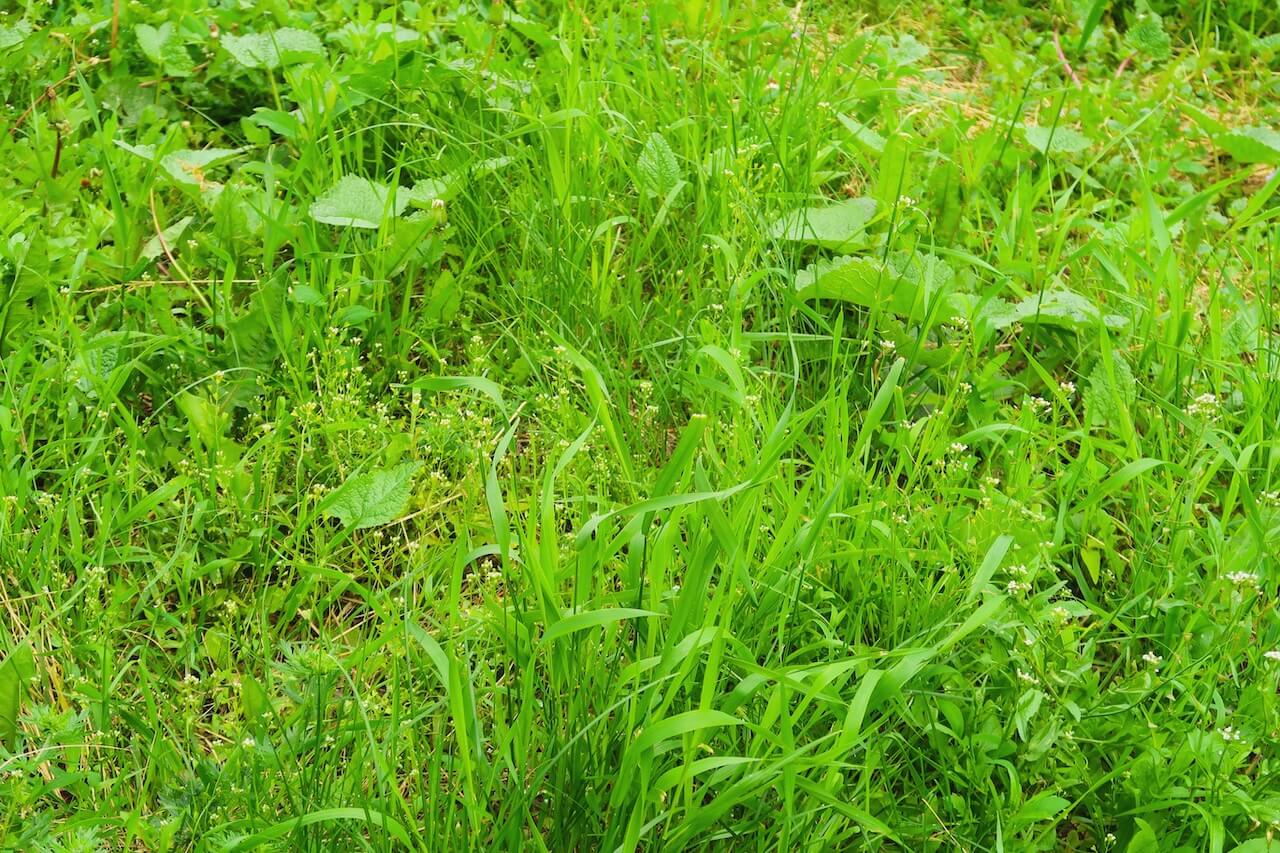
<point x="358" y="203"/>
<point x="656" y="167"/>
<point x="372" y="498"/>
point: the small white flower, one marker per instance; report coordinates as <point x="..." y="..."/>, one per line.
<point x="1243" y="578"/>
<point x="1230" y="734"/>
<point x="1154" y="659"/>
<point x="248" y="743"/>
<point x="887" y="345"/>
<point x="1274" y="655"/>
<point x="1205" y="404"/>
<point x="1027" y="677"/>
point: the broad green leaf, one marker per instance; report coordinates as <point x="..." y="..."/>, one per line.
<point x="1061" y="307"/>
<point x="905" y="50"/>
<point x="837" y="227"/>
<point x="1147" y="36"/>
<point x="17" y="669"/>
<point x="1110" y="391"/>
<point x="1042" y="806"/>
<point x="657" y="168"/>
<point x="277" y="121"/>
<point x="160" y="45"/>
<point x="1251" y="144"/>
<point x="426" y="192"/>
<point x="151" y="40"/>
<point x="906" y="290"/>
<point x="358" y="203"/>
<point x="372" y="498"/>
<point x="865" y="135"/>
<point x="154" y="247"/>
<point x="1056" y="140"/>
<point x="1262" y="844"/>
<point x="187" y="166"/>
<point x="285" y="46"/>
<point x="14" y="34"/>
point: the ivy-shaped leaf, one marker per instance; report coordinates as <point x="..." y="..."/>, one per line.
<point x="372" y="498"/>
<point x="657" y="168"/>
<point x="358" y="203"/>
<point x="285" y="46"/>
<point x="837" y="226"/>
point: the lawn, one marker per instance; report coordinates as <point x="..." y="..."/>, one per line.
<point x="602" y="425"/>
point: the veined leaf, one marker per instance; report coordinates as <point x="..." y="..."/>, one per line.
<point x="372" y="498"/>
<point x="906" y="290"/>
<point x="1251" y="144"/>
<point x="836" y="227"/>
<point x="657" y="167"/>
<point x="358" y="203"/>
<point x="1056" y="140"/>
<point x="285" y="46"/>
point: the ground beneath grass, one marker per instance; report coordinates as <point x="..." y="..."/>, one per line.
<point x="612" y="426"/>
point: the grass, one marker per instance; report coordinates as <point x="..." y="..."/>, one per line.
<point x="603" y="426"/>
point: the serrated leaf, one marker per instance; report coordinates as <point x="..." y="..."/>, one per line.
<point x="358" y="203"/>
<point x="372" y="498"/>
<point x="1147" y="36"/>
<point x="657" y="169"/>
<point x="836" y="226"/>
<point x="1109" y="391"/>
<point x="1056" y="140"/>
<point x="285" y="46"/>
<point x="1251" y="144"/>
